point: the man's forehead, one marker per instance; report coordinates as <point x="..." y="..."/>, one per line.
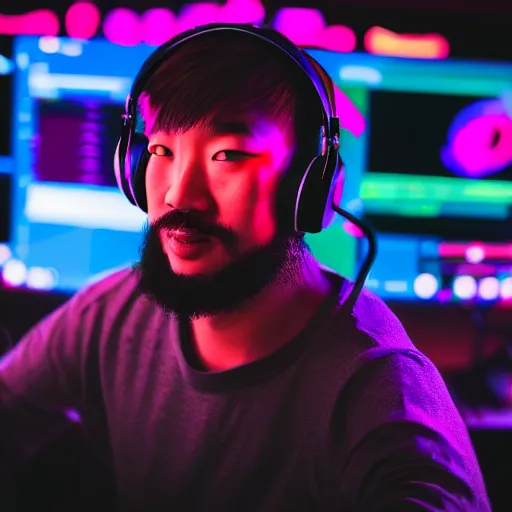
<point x="241" y="126"/>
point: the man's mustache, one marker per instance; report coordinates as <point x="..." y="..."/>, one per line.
<point x="192" y="220"/>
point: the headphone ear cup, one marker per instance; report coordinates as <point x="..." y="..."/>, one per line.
<point x="323" y="182"/>
<point x="121" y="160"/>
<point x="139" y="158"/>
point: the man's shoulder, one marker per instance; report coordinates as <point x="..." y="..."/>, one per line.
<point x="367" y="332"/>
<point x="370" y="319"/>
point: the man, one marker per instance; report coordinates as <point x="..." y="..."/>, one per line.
<point x="223" y="372"/>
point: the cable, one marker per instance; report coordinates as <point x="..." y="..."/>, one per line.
<point x="368" y="261"/>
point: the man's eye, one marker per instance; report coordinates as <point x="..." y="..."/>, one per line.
<point x="159" y="150"/>
<point x="231" y="156"/>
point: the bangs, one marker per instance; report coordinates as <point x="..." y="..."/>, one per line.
<point x="220" y="75"/>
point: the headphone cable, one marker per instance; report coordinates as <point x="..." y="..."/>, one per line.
<point x="362" y="275"/>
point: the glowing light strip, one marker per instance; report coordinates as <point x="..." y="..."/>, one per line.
<point x="398" y="187"/>
<point x="304" y="26"/>
<point x="381" y="41"/>
<point x="91" y="207"/>
<point x="488" y="418"/>
<point x="6" y="164"/>
<point x="51" y="82"/>
<point x="453" y="250"/>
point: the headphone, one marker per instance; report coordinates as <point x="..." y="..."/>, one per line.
<point x="308" y="190"/>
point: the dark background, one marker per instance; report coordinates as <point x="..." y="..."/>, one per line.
<point x="454" y="337"/>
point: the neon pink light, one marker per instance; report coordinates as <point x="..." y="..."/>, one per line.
<point x="42" y="22"/>
<point x="381" y="41"/>
<point x="82" y="20"/>
<point x="307" y="28"/>
<point x="352" y="229"/>
<point x="479" y="140"/>
<point x="350" y="118"/>
<point x="158" y="26"/>
<point x="338" y="38"/>
<point x="444" y="295"/>
<point x="303" y="26"/>
<point x="242" y="11"/>
<point x="495" y="251"/>
<point x="122" y="26"/>
<point x="193" y="15"/>
<point x="476" y="269"/>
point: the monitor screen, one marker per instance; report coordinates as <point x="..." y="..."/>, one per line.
<point x="75" y="142"/>
<point x="437" y="160"/>
<point x="70" y="223"/>
<point x="436" y="174"/>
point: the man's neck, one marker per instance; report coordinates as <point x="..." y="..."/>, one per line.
<point x="266" y="323"/>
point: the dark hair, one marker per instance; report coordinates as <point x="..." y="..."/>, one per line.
<point x="223" y="72"/>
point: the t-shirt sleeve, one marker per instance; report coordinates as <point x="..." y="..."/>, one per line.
<point x="407" y="448"/>
<point x="39" y="387"/>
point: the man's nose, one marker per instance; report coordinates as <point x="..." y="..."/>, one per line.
<point x="188" y="188"/>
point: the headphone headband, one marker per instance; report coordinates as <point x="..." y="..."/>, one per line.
<point x="278" y="41"/>
<point x="303" y="204"/>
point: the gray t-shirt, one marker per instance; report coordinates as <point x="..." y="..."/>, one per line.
<point x="348" y="416"/>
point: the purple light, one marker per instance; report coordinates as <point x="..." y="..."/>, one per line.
<point x="73" y="415"/>
<point x="465" y="287"/>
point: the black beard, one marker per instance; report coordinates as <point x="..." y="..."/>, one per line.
<point x="224" y="291"/>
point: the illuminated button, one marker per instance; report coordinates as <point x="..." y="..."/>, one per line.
<point x="14" y="273"/>
<point x="489" y="288"/>
<point x="426" y="286"/>
<point x="40" y="278"/>
<point x="475" y="254"/>
<point x="465" y="287"/>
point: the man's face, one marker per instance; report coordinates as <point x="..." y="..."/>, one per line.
<point x="211" y="195"/>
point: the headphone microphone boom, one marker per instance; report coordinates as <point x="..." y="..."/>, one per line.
<point x="307" y="201"/>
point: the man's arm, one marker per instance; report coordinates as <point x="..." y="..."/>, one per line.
<point x="407" y="447"/>
<point x="39" y="385"/>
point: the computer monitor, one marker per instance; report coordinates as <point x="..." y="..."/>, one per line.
<point x="70" y="223"/>
<point x="436" y="160"/>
